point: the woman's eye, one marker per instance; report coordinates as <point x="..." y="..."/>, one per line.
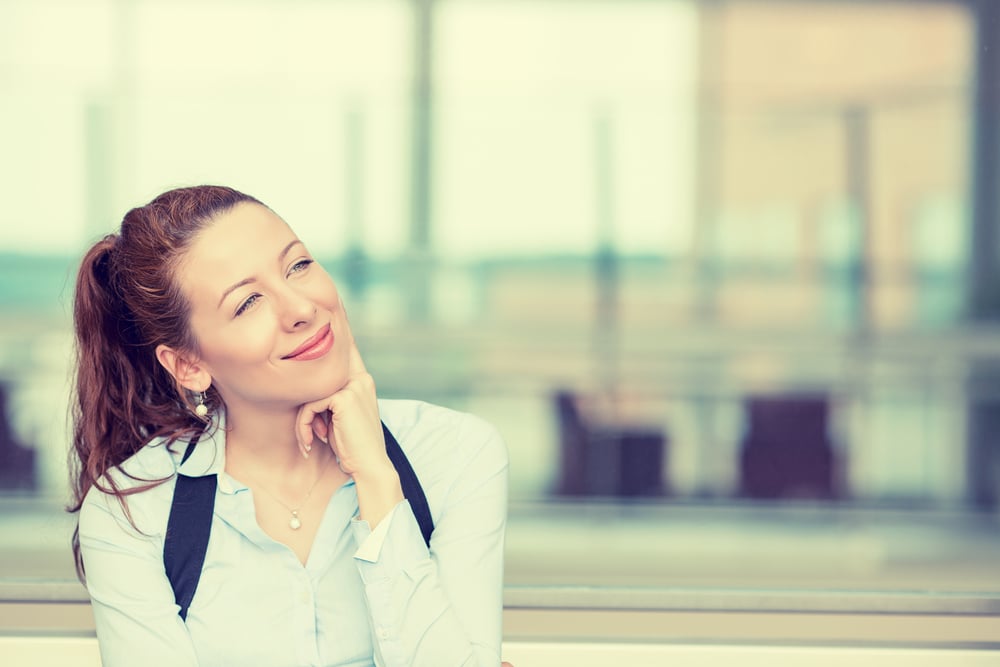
<point x="300" y="265"/>
<point x="251" y="300"/>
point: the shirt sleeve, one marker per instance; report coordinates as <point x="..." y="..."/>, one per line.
<point x="371" y="540"/>
<point x="134" y="609"/>
<point x="443" y="606"/>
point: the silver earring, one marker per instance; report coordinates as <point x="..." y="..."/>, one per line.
<point x="201" y="409"/>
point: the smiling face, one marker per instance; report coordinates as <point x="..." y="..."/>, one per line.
<point x="270" y="328"/>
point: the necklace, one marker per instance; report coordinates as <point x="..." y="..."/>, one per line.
<point x="295" y="523"/>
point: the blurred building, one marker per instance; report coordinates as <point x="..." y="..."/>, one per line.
<point x="670" y="210"/>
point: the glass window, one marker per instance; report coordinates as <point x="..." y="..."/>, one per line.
<point x="701" y="263"/>
<point x="563" y="125"/>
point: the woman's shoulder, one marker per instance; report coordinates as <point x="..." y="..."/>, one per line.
<point x="439" y="439"/>
<point x="144" y="481"/>
<point x="414" y="423"/>
<point x="156" y="460"/>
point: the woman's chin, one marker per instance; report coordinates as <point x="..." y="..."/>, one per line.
<point x="323" y="391"/>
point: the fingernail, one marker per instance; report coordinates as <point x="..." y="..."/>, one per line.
<point x="305" y="455"/>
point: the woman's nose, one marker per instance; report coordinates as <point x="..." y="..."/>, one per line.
<point x="296" y="308"/>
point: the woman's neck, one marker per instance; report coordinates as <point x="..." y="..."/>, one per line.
<point x="260" y="440"/>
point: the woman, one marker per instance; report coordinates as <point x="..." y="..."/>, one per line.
<point x="210" y="345"/>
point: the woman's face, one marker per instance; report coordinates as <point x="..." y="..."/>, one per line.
<point x="268" y="320"/>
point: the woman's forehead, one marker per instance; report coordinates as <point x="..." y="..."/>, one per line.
<point x="237" y="243"/>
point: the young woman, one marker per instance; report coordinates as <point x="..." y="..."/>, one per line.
<point x="211" y="346"/>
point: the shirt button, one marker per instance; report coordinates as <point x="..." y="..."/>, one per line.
<point x="383" y="633"/>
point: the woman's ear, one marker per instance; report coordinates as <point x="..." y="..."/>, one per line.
<point x="189" y="373"/>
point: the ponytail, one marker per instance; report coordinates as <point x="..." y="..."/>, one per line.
<point x="126" y="304"/>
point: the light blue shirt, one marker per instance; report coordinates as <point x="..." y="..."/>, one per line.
<point x="360" y="599"/>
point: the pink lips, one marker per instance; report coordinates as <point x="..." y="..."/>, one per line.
<point x="315" y="346"/>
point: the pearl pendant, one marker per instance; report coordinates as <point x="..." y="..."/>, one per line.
<point x="294" y="522"/>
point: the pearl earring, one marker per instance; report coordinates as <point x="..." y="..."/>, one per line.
<point x="201" y="409"/>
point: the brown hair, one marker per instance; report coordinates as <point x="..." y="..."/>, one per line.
<point x="127" y="303"/>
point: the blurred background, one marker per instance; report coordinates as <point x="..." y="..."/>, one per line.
<point x="724" y="273"/>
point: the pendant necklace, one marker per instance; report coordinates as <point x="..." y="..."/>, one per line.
<point x="295" y="523"/>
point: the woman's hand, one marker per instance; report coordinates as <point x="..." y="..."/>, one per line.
<point x="349" y="422"/>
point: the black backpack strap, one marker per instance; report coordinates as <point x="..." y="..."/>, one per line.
<point x="412" y="490"/>
<point x="188" y="529"/>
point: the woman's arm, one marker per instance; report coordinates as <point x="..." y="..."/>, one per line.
<point x="134" y="609"/>
<point x="444" y="606"/>
<point x="434" y="607"/>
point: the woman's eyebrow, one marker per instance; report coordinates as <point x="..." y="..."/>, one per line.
<point x="246" y="281"/>
<point x="281" y="255"/>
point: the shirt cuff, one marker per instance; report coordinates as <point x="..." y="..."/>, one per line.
<point x="403" y="547"/>
<point x="371" y="540"/>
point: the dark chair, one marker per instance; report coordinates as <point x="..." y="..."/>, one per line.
<point x="17" y="462"/>
<point x="787" y="451"/>
<point x="605" y="460"/>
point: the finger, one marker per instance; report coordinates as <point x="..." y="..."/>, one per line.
<point x="319" y="426"/>
<point x="355" y="365"/>
<point x="304" y="424"/>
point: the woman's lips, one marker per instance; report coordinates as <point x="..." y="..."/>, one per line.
<point x="315" y="346"/>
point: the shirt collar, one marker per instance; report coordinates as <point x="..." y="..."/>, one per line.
<point x="209" y="454"/>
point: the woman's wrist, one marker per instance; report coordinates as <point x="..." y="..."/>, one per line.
<point x="378" y="492"/>
<point x="378" y="474"/>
